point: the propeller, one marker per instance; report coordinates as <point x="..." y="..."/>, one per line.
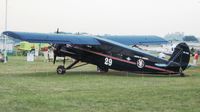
<point x="54" y="58"/>
<point x="55" y="48"/>
<point x="55" y="52"/>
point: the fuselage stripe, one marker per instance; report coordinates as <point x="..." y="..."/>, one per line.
<point x="126" y="61"/>
<point x="160" y="69"/>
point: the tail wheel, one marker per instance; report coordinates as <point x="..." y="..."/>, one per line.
<point x="60" y="70"/>
<point x="181" y="72"/>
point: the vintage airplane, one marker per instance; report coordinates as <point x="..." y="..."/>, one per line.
<point x="110" y="52"/>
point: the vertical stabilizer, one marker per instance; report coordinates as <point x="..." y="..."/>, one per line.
<point x="181" y="56"/>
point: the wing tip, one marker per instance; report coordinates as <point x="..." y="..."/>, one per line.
<point x="11" y="34"/>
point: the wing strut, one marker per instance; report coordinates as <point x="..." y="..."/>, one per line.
<point x="72" y="64"/>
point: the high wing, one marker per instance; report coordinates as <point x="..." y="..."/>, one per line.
<point x="136" y="40"/>
<point x="83" y="39"/>
<point x="53" y="38"/>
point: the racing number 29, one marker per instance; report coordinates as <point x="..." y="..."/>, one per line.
<point x="108" y="61"/>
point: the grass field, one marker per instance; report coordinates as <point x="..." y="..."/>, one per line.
<point x="35" y="87"/>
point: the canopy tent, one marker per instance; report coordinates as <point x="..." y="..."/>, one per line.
<point x="28" y="46"/>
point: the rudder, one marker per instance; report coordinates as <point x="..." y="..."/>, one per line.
<point x="181" y="55"/>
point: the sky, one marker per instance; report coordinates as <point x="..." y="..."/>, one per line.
<point x="127" y="17"/>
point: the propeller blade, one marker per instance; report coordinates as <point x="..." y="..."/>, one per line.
<point x="54" y="46"/>
<point x="64" y="61"/>
<point x="54" y="58"/>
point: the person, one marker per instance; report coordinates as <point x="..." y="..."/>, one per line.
<point x="45" y="53"/>
<point x="196" y="57"/>
<point x="50" y="54"/>
<point x="1" y="57"/>
<point x="192" y="51"/>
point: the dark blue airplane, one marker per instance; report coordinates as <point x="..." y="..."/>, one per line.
<point x="110" y="52"/>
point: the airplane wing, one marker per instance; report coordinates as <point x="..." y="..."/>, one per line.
<point x="53" y="38"/>
<point x="137" y="40"/>
<point x="83" y="39"/>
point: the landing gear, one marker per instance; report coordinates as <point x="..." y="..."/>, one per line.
<point x="181" y="72"/>
<point x="61" y="70"/>
<point x="102" y="69"/>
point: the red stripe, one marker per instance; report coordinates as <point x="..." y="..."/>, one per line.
<point x="126" y="61"/>
<point x="160" y="69"/>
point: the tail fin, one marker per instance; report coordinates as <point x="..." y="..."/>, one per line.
<point x="181" y="56"/>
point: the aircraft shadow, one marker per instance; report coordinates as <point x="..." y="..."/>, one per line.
<point x="110" y="73"/>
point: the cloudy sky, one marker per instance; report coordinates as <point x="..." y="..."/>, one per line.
<point x="138" y="17"/>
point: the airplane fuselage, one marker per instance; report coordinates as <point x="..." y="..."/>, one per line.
<point x="110" y="56"/>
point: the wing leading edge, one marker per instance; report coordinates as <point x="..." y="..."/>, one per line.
<point x="53" y="38"/>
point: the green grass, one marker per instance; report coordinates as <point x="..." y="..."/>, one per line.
<point x="35" y="87"/>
